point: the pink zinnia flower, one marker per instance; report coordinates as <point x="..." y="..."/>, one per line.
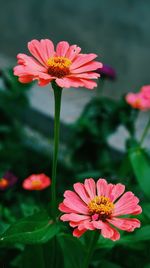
<point x="97" y="206"/>
<point x="67" y="66"/>
<point x="140" y="100"/>
<point x="36" y="182"/>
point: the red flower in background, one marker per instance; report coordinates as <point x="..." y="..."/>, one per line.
<point x="67" y="66"/>
<point x="99" y="206"/>
<point x="36" y="182"/>
<point x="7" y="180"/>
<point x="140" y="100"/>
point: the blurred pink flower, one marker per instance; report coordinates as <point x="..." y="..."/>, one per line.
<point x="67" y="66"/>
<point x="97" y="206"/>
<point x="36" y="182"/>
<point x="140" y="100"/>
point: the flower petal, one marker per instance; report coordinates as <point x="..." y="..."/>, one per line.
<point x="62" y="48"/>
<point x="80" y="190"/>
<point x="88" y="83"/>
<point x="125" y="224"/>
<point x="42" y="50"/>
<point x="117" y="191"/>
<point x="102" y="187"/>
<point x="72" y="52"/>
<point x="64" y="208"/>
<point x="127" y="204"/>
<point x="90" y="187"/>
<point x="81" y="60"/>
<point x="91" y="66"/>
<point x="68" y="82"/>
<point x="72" y="201"/>
<point x="74" y="217"/>
<point x="78" y="233"/>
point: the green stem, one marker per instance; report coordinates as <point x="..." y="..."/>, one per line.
<point x="91" y="249"/>
<point x="145" y="132"/>
<point x="57" y="99"/>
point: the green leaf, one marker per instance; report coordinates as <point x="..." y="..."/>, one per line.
<point x="34" y="229"/>
<point x="33" y="257"/>
<point x="108" y="264"/>
<point x="141" y="168"/>
<point x="143" y="234"/>
<point x="73" y="251"/>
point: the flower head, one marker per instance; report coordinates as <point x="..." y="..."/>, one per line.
<point x="66" y="65"/>
<point x="107" y="72"/>
<point x="36" y="182"/>
<point x="98" y="206"/>
<point x="7" y="180"/>
<point x="140" y="100"/>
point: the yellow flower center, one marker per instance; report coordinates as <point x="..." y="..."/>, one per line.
<point x="36" y="184"/>
<point x="102" y="206"/>
<point x="58" y="66"/>
<point x="3" y="183"/>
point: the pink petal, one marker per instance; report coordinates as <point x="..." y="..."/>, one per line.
<point x="72" y="52"/>
<point x="88" y="75"/>
<point x="91" y="66"/>
<point x="86" y="224"/>
<point x="26" y="60"/>
<point x="41" y="50"/>
<point x="63" y="208"/>
<point x="102" y="187"/>
<point x="88" y="83"/>
<point x="80" y="190"/>
<point x="72" y="201"/>
<point x="62" y="48"/>
<point x="125" y="224"/>
<point x="74" y="217"/>
<point x="68" y="82"/>
<point x="108" y="232"/>
<point x="90" y="187"/>
<point x="25" y="79"/>
<point x="127" y="204"/>
<point x="117" y="191"/>
<point x="43" y="82"/>
<point x="78" y="233"/>
<point x="82" y="59"/>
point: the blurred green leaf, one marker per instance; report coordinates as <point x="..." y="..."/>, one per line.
<point x="142" y="234"/>
<point x="34" y="229"/>
<point x="33" y="257"/>
<point x="141" y="168"/>
<point x="73" y="251"/>
<point x="108" y="264"/>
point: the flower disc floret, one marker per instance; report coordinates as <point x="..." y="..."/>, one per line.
<point x="58" y="66"/>
<point x="102" y="206"/>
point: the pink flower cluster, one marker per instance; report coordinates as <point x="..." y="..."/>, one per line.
<point x="99" y="206"/>
<point x="140" y="100"/>
<point x="66" y="66"/>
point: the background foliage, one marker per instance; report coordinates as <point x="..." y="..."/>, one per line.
<point x="87" y="154"/>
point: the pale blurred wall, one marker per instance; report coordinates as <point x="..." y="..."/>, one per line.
<point x="118" y="30"/>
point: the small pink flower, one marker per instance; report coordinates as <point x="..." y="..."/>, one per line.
<point x="36" y="182"/>
<point x="140" y="100"/>
<point x="98" y="206"/>
<point x="67" y="66"/>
